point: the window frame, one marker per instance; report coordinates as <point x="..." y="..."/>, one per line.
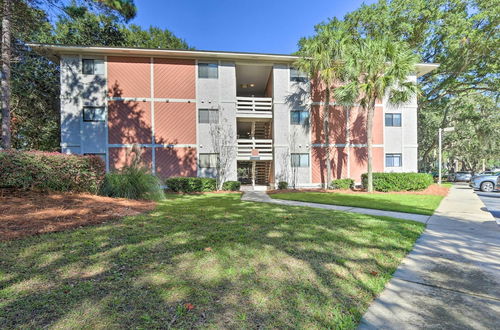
<point x="392" y="115"/>
<point x="209" y="154"/>
<point x="208" y="66"/>
<point x="94" y="67"/>
<point x="212" y="119"/>
<point x="299" y="76"/>
<point x="93" y="120"/>
<point x="300" y="160"/>
<point x="302" y="121"/>
<point x="392" y="156"/>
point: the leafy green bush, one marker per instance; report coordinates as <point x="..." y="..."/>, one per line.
<point x="399" y="181"/>
<point x="231" y="185"/>
<point x="342" y="183"/>
<point x="35" y="170"/>
<point x="282" y="185"/>
<point x="189" y="184"/>
<point x="134" y="183"/>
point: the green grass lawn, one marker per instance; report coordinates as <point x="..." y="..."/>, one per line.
<point x="419" y="204"/>
<point x="240" y="264"/>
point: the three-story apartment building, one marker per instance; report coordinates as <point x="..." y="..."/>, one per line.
<point x="252" y="117"/>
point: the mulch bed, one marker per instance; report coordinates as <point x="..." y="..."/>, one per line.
<point x="434" y="189"/>
<point x="24" y="213"/>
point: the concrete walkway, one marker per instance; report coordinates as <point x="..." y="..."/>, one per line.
<point x="451" y="279"/>
<point x="261" y="196"/>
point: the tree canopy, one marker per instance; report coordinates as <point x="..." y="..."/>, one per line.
<point x="35" y="79"/>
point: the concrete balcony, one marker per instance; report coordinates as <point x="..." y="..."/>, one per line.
<point x="254" y="149"/>
<point x="254" y="107"/>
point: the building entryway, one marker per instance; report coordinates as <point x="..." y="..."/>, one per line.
<point x="254" y="174"/>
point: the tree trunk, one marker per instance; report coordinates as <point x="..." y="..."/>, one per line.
<point x="5" y="79"/>
<point x="369" y="142"/>
<point x="326" y="129"/>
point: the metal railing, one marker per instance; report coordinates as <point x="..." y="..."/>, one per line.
<point x="254" y="106"/>
<point x="258" y="149"/>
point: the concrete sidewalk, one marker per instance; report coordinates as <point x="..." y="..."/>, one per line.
<point x="451" y="279"/>
<point x="262" y="196"/>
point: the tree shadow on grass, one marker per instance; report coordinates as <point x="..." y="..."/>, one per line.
<point x="241" y="264"/>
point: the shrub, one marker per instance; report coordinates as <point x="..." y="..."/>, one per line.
<point x="35" y="170"/>
<point x="134" y="183"/>
<point x="342" y="183"/>
<point x="188" y="184"/>
<point x="231" y="185"/>
<point x="282" y="185"/>
<point x="399" y="181"/>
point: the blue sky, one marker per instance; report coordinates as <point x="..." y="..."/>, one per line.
<point x="268" y="26"/>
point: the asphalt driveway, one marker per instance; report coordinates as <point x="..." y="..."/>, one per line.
<point x="492" y="202"/>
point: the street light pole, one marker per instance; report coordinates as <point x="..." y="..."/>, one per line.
<point x="439" y="155"/>
<point x="440" y="136"/>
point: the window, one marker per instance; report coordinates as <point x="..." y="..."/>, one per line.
<point x="208" y="116"/>
<point x="298" y="76"/>
<point x="299" y="117"/>
<point x="91" y="66"/>
<point x="94" y="114"/>
<point x="393" y="119"/>
<point x="208" y="160"/>
<point x="393" y="160"/>
<point x="300" y="160"/>
<point x="208" y="70"/>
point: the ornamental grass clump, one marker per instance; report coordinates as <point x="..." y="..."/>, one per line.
<point x="133" y="181"/>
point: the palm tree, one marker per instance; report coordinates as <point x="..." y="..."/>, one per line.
<point x="376" y="68"/>
<point x="321" y="57"/>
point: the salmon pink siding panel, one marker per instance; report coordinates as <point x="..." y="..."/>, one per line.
<point x="174" y="78"/>
<point x="358" y="126"/>
<point x="175" y="123"/>
<point x="129" y="122"/>
<point x="338" y="164"/>
<point x="175" y="162"/>
<point x="358" y="159"/>
<point x="119" y="157"/>
<point x="337" y="125"/>
<point x="129" y="76"/>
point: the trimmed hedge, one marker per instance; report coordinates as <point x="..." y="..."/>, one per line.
<point x="231" y="185"/>
<point x="35" y="170"/>
<point x="189" y="184"/>
<point x="399" y="181"/>
<point x="134" y="183"/>
<point x="342" y="183"/>
<point x="282" y="185"/>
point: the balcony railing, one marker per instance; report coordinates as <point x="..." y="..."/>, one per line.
<point x="255" y="149"/>
<point x="254" y="107"/>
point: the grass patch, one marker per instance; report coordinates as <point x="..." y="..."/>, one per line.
<point x="409" y="203"/>
<point x="204" y="261"/>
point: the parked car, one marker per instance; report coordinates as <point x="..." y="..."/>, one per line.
<point x="486" y="183"/>
<point x="462" y="176"/>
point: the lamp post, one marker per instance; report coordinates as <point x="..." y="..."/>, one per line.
<point x="440" y="134"/>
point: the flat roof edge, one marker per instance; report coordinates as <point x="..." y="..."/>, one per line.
<point x="52" y="50"/>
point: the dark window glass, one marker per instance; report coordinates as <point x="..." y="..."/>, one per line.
<point x="94" y="114"/>
<point x="300" y="160"/>
<point x="393" y="160"/>
<point x="298" y="76"/>
<point x="208" y="116"/>
<point x="299" y="117"/>
<point x="88" y="66"/>
<point x="393" y="119"/>
<point x="208" y="70"/>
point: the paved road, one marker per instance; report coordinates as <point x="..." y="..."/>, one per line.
<point x="451" y="279"/>
<point x="492" y="202"/>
